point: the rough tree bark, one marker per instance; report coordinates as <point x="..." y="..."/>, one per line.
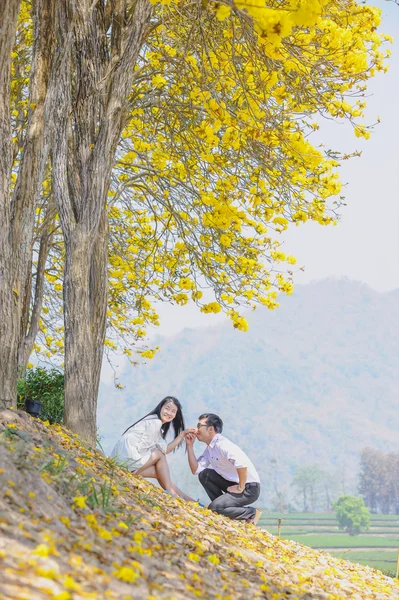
<point x="93" y="90"/>
<point x="8" y="299"/>
<point x="99" y="296"/>
<point x="33" y="300"/>
<point x="85" y="301"/>
<point x="17" y="209"/>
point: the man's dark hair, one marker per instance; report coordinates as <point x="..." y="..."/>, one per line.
<point x="213" y="420"/>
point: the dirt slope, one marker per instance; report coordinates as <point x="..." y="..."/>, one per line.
<point x="74" y="526"/>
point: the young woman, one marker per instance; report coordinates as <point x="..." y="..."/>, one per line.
<point x="143" y="446"/>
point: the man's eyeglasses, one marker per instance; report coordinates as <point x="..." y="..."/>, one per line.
<point x="201" y="425"/>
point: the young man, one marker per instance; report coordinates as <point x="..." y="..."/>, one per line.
<point x="225" y="471"/>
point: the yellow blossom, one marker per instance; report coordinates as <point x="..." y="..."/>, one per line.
<point x="80" y="501"/>
<point x="42" y="550"/>
<point x="126" y="574"/>
<point x="104" y="534"/>
<point x="193" y="557"/>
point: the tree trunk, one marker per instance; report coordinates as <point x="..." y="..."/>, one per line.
<point x="78" y="335"/>
<point x="93" y="88"/>
<point x="17" y="211"/>
<point x="31" y="316"/>
<point x="85" y="300"/>
<point x="9" y="301"/>
<point x="9" y="329"/>
<point x="99" y="297"/>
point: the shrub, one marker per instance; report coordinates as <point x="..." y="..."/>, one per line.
<point x="46" y="386"/>
<point x="352" y="515"/>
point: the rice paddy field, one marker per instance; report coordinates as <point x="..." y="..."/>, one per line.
<point x="377" y="548"/>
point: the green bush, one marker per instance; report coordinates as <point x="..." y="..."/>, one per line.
<point x="352" y="515"/>
<point x="46" y="386"/>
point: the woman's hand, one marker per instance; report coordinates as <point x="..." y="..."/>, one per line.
<point x="191" y="431"/>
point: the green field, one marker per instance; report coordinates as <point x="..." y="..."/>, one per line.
<point x="377" y="548"/>
<point x="383" y="561"/>
<point x="344" y="541"/>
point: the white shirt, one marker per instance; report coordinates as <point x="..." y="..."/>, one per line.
<point x="225" y="458"/>
<point x="134" y="447"/>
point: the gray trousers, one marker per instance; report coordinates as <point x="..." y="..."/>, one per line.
<point x="224" y="503"/>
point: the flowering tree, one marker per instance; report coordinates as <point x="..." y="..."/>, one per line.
<point x="182" y="128"/>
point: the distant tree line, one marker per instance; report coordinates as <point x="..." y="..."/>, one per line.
<point x="313" y="492"/>
<point x="379" y="480"/>
<point x="314" y="488"/>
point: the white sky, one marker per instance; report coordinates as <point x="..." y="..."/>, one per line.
<point x="364" y="246"/>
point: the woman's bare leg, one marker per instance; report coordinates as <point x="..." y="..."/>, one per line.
<point x="163" y="475"/>
<point x="154" y="470"/>
<point x="148" y="473"/>
<point x="180" y="493"/>
<point x="158" y="462"/>
<point x="155" y="456"/>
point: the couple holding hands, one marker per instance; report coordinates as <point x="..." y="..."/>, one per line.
<point x="224" y="470"/>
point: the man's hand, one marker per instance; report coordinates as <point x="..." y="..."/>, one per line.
<point x="192" y="459"/>
<point x="179" y="439"/>
<point x="190" y="438"/>
<point x="188" y="432"/>
<point x="235" y="489"/>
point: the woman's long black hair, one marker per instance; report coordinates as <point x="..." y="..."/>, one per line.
<point x="178" y="421"/>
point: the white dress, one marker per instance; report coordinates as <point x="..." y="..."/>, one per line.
<point x="135" y="446"/>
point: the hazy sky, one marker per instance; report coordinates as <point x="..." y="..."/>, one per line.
<point x="364" y="246"/>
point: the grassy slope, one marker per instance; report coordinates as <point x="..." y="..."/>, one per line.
<point x="74" y="526"/>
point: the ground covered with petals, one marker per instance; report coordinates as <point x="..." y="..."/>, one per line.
<point x="73" y="525"/>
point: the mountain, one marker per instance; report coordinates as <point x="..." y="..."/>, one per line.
<point x="312" y="382"/>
